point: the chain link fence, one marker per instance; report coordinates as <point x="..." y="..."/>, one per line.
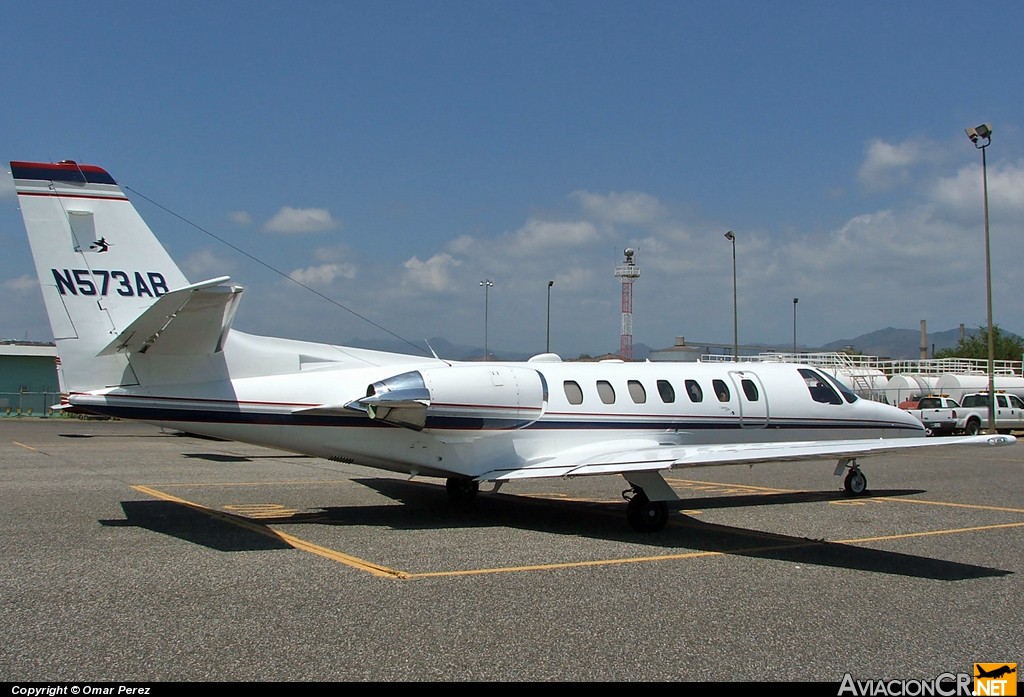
<point x="34" y="404"/>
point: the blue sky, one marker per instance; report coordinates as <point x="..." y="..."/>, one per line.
<point x="392" y="155"/>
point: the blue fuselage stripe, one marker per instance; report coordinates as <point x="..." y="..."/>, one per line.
<point x="231" y="416"/>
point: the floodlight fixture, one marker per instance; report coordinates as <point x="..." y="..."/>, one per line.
<point x="984" y="131"/>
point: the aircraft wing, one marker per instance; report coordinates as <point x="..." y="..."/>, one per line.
<point x="622" y="457"/>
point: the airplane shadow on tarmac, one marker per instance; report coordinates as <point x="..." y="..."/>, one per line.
<point x="426" y="507"/>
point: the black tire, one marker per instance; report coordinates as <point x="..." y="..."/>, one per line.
<point x="856" y="484"/>
<point x="973" y="427"/>
<point x="645" y="515"/>
<point x="462" y="491"/>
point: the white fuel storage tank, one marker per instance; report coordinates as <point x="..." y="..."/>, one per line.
<point x="956" y="385"/>
<point x="909" y="386"/>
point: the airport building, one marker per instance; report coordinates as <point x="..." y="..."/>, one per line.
<point x="28" y="379"/>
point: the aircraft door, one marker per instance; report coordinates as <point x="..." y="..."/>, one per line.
<point x="751" y="397"/>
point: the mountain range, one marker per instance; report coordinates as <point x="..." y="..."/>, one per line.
<point x="889" y="343"/>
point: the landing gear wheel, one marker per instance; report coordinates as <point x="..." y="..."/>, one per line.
<point x="645" y="515"/>
<point x="856" y="483"/>
<point x="462" y="491"/>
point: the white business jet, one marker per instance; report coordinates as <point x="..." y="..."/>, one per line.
<point x="138" y="340"/>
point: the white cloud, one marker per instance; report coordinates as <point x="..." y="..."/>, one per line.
<point x="21" y="283"/>
<point x="888" y="164"/>
<point x="538" y="236"/>
<point x="434" y="274"/>
<point x="290" y="220"/>
<point x="240" y="217"/>
<point x="462" y="244"/>
<point x="629" y="207"/>
<point x="336" y="253"/>
<point x="323" y="274"/>
<point x="205" y="264"/>
<point x="964" y="191"/>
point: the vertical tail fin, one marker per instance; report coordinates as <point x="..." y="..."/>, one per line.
<point x="100" y="267"/>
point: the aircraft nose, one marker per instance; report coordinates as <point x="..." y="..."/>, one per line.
<point x="903" y="421"/>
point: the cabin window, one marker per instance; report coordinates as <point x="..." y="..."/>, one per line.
<point x="1015" y="401"/>
<point x="606" y="392"/>
<point x="749" y="389"/>
<point x="573" y="392"/>
<point x="668" y="394"/>
<point x="721" y="389"/>
<point x="694" y="392"/>
<point x="637" y="391"/>
<point x="819" y="388"/>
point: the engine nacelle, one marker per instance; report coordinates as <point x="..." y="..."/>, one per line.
<point x="465" y="397"/>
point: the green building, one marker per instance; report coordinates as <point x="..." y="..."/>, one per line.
<point x="28" y="379"/>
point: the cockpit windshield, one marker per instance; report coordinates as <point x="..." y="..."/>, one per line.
<point x="848" y="394"/>
<point x="826" y="389"/>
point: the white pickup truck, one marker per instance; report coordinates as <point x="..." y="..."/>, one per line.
<point x="973" y="413"/>
<point x="938" y="413"/>
<point x="942" y="415"/>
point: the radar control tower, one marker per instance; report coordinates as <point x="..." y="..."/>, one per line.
<point x="628" y="271"/>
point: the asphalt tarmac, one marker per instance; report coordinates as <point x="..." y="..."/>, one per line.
<point x="136" y="554"/>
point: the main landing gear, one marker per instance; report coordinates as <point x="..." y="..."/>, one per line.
<point x="462" y="491"/>
<point x="855" y="484"/>
<point x="643" y="514"/>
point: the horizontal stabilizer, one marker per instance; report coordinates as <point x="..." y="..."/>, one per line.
<point x="193" y="320"/>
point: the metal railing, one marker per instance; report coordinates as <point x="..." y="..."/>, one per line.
<point x="889" y="367"/>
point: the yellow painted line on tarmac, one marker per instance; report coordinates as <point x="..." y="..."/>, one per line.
<point x="291" y="540"/>
<point x="730" y="488"/>
<point x="27" y="447"/>
<point x="695" y="555"/>
<point x="386" y="572"/>
<point x="348" y="560"/>
<point x="933" y="533"/>
<point x="571" y="565"/>
<point x="978" y="506"/>
<point x="694" y="485"/>
<point x="253" y="511"/>
<point x="274" y="482"/>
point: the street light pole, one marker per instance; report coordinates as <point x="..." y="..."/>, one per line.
<point x="735" y="331"/>
<point x="795" y="301"/>
<point x="487" y="286"/>
<point x="984" y="133"/>
<point x="547" y="345"/>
